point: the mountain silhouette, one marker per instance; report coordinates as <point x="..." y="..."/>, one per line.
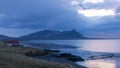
<point x="53" y="34"/>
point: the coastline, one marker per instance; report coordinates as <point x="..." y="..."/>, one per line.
<point x="15" y="57"/>
<point x="92" y="59"/>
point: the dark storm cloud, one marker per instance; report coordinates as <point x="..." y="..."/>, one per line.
<point x="38" y="14"/>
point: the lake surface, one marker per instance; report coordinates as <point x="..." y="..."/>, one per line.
<point x="87" y="48"/>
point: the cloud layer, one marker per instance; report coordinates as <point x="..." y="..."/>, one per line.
<point x="34" y="15"/>
<point x="37" y="14"/>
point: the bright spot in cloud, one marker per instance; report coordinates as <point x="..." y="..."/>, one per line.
<point x="96" y="12"/>
<point x="75" y="2"/>
<point x="93" y="1"/>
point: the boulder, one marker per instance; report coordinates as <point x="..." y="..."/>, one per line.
<point x="36" y="53"/>
<point x="70" y="57"/>
<point x="51" y="50"/>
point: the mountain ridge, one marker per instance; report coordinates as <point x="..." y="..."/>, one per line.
<point x="3" y="37"/>
<point x="53" y="34"/>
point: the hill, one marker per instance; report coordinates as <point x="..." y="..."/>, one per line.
<point x="53" y="34"/>
<point x="3" y="37"/>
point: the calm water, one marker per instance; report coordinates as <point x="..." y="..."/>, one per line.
<point x="88" y="45"/>
<point x="87" y="48"/>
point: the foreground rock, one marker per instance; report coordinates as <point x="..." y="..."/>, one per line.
<point x="104" y="56"/>
<point x="70" y="57"/>
<point x="56" y="54"/>
<point x="51" y="50"/>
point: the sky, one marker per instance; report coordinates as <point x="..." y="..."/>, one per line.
<point x="92" y="18"/>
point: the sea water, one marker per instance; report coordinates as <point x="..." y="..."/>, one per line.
<point x="87" y="48"/>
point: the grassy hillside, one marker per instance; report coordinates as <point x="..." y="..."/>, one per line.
<point x="14" y="57"/>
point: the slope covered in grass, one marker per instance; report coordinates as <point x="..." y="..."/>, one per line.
<point x="14" y="57"/>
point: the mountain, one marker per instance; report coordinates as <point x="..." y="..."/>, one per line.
<point x="53" y="34"/>
<point x="3" y="37"/>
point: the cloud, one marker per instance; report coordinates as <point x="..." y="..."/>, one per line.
<point x="38" y="14"/>
<point x="106" y="4"/>
<point x="26" y="16"/>
<point x="95" y="13"/>
<point x="93" y="1"/>
<point x="109" y="27"/>
<point x="118" y="10"/>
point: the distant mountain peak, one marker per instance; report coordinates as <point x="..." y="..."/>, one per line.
<point x="74" y="30"/>
<point x="53" y="34"/>
<point x="50" y="30"/>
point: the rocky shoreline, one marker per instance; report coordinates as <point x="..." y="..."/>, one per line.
<point x="27" y="57"/>
<point x="56" y="56"/>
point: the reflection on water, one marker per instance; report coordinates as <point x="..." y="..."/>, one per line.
<point x="89" y="45"/>
<point x="101" y="64"/>
<point x="102" y="45"/>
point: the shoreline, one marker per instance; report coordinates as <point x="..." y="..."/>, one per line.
<point x="90" y="57"/>
<point x="54" y="56"/>
<point x="19" y="57"/>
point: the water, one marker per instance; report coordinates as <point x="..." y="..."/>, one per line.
<point x="112" y="46"/>
<point x="101" y="64"/>
<point x="87" y="48"/>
